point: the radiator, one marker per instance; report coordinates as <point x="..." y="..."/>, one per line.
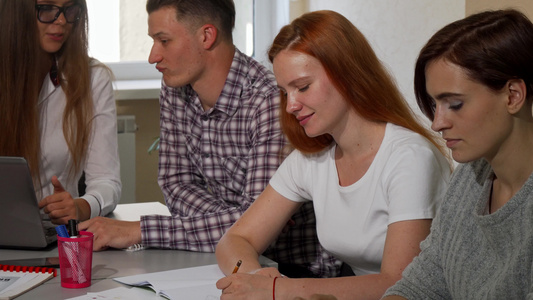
<point x="126" y="151"/>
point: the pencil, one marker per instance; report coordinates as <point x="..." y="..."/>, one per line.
<point x="237" y="267"/>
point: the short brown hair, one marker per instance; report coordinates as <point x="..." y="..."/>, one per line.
<point x="220" y="13"/>
<point x="492" y="47"/>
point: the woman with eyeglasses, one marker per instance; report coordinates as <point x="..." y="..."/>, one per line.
<point x="57" y="107"/>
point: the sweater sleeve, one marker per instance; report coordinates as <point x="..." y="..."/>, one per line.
<point x="530" y="292"/>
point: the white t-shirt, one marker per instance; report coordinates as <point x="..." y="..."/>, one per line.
<point x="404" y="182"/>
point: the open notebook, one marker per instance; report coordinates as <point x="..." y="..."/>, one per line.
<point x="190" y="283"/>
<point x="20" y="218"/>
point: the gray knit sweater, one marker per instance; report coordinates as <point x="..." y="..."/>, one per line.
<point x="469" y="255"/>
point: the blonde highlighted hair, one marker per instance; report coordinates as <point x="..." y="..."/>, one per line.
<point x="21" y="57"/>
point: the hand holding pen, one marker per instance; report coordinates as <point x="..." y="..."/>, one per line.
<point x="253" y="284"/>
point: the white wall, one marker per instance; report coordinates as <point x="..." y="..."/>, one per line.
<point x="135" y="44"/>
<point x="270" y="16"/>
<point x="397" y="29"/>
<point x="104" y="40"/>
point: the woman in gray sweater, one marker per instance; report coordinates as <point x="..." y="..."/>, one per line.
<point x="474" y="80"/>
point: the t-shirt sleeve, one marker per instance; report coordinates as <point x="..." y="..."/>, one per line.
<point x="415" y="182"/>
<point x="290" y="178"/>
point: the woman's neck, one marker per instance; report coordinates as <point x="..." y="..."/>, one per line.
<point x="512" y="165"/>
<point x="355" y="153"/>
<point x="361" y="139"/>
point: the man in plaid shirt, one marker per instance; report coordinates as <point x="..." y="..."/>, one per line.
<point x="220" y="141"/>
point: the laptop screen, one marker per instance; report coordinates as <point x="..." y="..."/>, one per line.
<point x="20" y="218"/>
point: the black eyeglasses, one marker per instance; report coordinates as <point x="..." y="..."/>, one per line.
<point x="47" y="13"/>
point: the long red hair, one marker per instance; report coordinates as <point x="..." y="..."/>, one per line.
<point x="352" y="67"/>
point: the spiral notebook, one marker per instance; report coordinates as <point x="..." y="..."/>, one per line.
<point x="16" y="280"/>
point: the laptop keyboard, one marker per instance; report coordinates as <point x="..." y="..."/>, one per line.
<point x="50" y="231"/>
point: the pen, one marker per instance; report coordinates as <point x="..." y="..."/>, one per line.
<point x="237" y="267"/>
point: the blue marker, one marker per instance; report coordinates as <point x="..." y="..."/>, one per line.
<point x="62" y="231"/>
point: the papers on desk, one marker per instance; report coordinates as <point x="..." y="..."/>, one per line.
<point x="120" y="293"/>
<point x="196" y="283"/>
<point x="191" y="283"/>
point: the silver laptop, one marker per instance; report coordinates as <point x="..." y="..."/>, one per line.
<point x="22" y="225"/>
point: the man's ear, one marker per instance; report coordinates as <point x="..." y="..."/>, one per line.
<point x="517" y="95"/>
<point x="209" y="34"/>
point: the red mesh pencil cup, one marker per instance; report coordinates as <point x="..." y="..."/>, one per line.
<point x="76" y="260"/>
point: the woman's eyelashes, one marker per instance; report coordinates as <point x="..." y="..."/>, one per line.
<point x="305" y="88"/>
<point x="301" y="90"/>
<point x="455" y="105"/>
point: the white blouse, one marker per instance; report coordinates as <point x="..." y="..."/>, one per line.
<point x="102" y="166"/>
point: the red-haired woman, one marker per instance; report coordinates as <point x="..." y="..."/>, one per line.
<point x="374" y="173"/>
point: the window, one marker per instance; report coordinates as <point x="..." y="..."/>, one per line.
<point x="118" y="35"/>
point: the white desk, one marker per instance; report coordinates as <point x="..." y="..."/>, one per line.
<point x="117" y="263"/>
<point x="134" y="211"/>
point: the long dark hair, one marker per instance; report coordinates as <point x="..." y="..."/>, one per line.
<point x="21" y="56"/>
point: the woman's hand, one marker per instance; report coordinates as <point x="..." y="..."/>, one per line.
<point x="61" y="207"/>
<point x="246" y="286"/>
<point x="268" y="272"/>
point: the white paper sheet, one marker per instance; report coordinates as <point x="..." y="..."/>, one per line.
<point x="120" y="293"/>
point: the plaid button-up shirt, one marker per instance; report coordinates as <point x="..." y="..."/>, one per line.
<point x="213" y="164"/>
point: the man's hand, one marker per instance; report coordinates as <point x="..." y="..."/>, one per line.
<point x="112" y="233"/>
<point x="61" y="207"/>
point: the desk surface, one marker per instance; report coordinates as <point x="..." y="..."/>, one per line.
<point x="116" y="263"/>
